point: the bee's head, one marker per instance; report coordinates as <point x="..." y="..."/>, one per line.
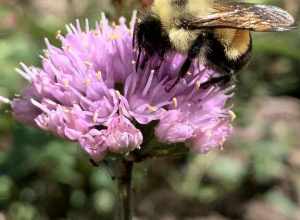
<point x="179" y="3"/>
<point x="151" y="36"/>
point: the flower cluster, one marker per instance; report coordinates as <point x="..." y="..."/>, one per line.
<point x="88" y="91"/>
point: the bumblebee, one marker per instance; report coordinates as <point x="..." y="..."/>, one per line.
<point x="215" y="32"/>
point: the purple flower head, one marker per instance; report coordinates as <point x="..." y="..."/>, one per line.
<point x="88" y="91"/>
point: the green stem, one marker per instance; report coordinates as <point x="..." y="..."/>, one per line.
<point x="124" y="171"/>
<point x="125" y="189"/>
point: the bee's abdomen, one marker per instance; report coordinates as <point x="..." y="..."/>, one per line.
<point x="239" y="44"/>
<point x="217" y="55"/>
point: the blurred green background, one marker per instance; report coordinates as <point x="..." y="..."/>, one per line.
<point x="256" y="176"/>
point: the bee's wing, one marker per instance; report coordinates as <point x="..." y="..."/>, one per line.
<point x="248" y="16"/>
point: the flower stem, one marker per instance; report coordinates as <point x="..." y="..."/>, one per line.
<point x="125" y="189"/>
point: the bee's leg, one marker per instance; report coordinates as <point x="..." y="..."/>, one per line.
<point x="220" y="80"/>
<point x="137" y="64"/>
<point x="192" y="54"/>
<point x="144" y="61"/>
<point x="183" y="70"/>
<point x="160" y="63"/>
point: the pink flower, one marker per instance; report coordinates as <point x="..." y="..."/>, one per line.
<point x="89" y="91"/>
<point x="94" y="144"/>
<point x="122" y="135"/>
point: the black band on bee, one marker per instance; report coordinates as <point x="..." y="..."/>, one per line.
<point x="180" y="3"/>
<point x="151" y="36"/>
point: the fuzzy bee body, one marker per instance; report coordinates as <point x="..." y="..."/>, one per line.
<point x="215" y="32"/>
